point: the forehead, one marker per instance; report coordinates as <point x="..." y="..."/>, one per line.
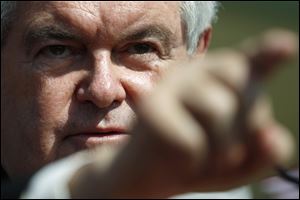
<point x="104" y="17"/>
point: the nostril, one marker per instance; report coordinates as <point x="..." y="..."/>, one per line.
<point x="115" y="104"/>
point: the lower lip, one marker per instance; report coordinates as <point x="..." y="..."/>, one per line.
<point x="89" y="140"/>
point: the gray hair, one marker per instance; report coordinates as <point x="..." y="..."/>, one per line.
<point x="196" y="15"/>
<point x="7" y="17"/>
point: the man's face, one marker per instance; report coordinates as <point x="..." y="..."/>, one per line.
<point x="72" y="73"/>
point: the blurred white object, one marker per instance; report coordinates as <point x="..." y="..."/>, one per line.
<point x="278" y="188"/>
<point x="51" y="182"/>
<point x="239" y="193"/>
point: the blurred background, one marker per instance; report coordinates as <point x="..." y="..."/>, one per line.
<point x="239" y="20"/>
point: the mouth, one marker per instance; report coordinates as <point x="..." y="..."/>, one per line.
<point x="92" y="139"/>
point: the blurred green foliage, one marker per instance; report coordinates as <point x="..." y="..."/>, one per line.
<point x="239" y="20"/>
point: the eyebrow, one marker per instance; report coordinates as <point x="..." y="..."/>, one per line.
<point x="160" y="32"/>
<point x="58" y="32"/>
<point x="46" y="32"/>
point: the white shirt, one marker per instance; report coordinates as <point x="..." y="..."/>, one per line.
<point x="51" y="182"/>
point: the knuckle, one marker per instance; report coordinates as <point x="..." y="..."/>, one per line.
<point x="231" y="67"/>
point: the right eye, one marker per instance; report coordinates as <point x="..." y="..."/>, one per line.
<point x="56" y="51"/>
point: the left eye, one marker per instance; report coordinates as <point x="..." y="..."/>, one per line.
<point x="57" y="51"/>
<point x="140" y="49"/>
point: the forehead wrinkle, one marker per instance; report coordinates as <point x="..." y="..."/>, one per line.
<point x="56" y="18"/>
<point x="47" y="26"/>
<point x="86" y="6"/>
<point x="119" y="17"/>
<point x="100" y="22"/>
<point x="85" y="24"/>
<point x="80" y="17"/>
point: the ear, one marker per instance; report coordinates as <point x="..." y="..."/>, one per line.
<point x="204" y="41"/>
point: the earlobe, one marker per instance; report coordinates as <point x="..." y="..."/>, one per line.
<point x="204" y="41"/>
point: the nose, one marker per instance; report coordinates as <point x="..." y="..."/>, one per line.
<point x="103" y="86"/>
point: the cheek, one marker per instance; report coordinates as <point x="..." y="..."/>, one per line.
<point x="140" y="83"/>
<point x="54" y="98"/>
<point x="53" y="103"/>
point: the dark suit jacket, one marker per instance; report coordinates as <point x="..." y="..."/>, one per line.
<point x="12" y="190"/>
